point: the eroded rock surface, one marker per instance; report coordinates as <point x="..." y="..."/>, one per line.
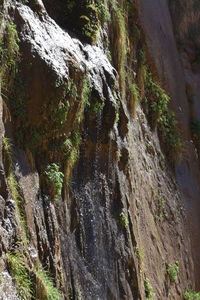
<point x="124" y="215"/>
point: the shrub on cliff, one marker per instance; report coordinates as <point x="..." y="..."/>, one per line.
<point x="160" y="115"/>
<point x="56" y="179"/>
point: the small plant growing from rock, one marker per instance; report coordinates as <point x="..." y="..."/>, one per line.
<point x="158" y="100"/>
<point x="90" y="23"/>
<point x="157" y="110"/>
<point x="14" y="188"/>
<point x="123" y="217"/>
<point x="52" y="293"/>
<point x="7" y="147"/>
<point x="20" y="274"/>
<point x="118" y="19"/>
<point x="56" y="178"/>
<point x="9" y="53"/>
<point x="161" y="209"/>
<point x="139" y="250"/>
<point x="148" y="289"/>
<point x="172" y="271"/>
<point x="134" y="98"/>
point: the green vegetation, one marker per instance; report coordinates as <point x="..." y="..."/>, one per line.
<point x="96" y="107"/>
<point x="158" y="101"/>
<point x="142" y="71"/>
<point x="174" y="142"/>
<point x="56" y="178"/>
<point x="148" y="289"/>
<point x="90" y="23"/>
<point x="14" y="187"/>
<point x="85" y="95"/>
<point x="52" y="293"/>
<point x="71" y="147"/>
<point x="123" y="217"/>
<point x="135" y="92"/>
<point x="191" y="295"/>
<point x="24" y="278"/>
<point x="118" y="154"/>
<point x="121" y="36"/>
<point x="84" y="18"/>
<point x="157" y="109"/>
<point x="9" y="53"/>
<point x="20" y="274"/>
<point x="92" y="14"/>
<point x="140" y="255"/>
<point x="134" y="97"/>
<point x="60" y="111"/>
<point x="7" y="147"/>
<point x="15" y="192"/>
<point x="103" y="13"/>
<point x="161" y="211"/>
<point x="172" y="271"/>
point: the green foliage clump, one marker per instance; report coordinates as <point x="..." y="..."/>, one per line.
<point x="85" y="96"/>
<point x="172" y="271"/>
<point x="103" y="12"/>
<point x="191" y="295"/>
<point x="134" y="97"/>
<point x="135" y="92"/>
<point x="7" y="147"/>
<point x="119" y="25"/>
<point x="157" y="101"/>
<point x="90" y="23"/>
<point x="9" y="53"/>
<point x="52" y="293"/>
<point x="157" y="109"/>
<point x="72" y="147"/>
<point x="23" y="279"/>
<point x="20" y="274"/>
<point x="142" y="71"/>
<point x="60" y="112"/>
<point x="56" y="178"/>
<point x="123" y="217"/>
<point x="96" y="107"/>
<point x="86" y="90"/>
<point x="174" y="141"/>
<point x="149" y="293"/>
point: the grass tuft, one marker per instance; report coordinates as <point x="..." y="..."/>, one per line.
<point x="56" y="178"/>
<point x="20" y="274"/>
<point x="172" y="271"/>
<point x="52" y="293"/>
<point x="148" y="289"/>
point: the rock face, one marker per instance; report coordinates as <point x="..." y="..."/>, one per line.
<point x="92" y="205"/>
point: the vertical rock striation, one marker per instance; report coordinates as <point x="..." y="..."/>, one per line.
<point x="92" y="207"/>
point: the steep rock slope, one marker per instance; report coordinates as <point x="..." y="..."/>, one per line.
<point x="86" y="191"/>
<point x="172" y="70"/>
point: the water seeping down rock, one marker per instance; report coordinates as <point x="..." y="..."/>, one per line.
<point x="99" y="152"/>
